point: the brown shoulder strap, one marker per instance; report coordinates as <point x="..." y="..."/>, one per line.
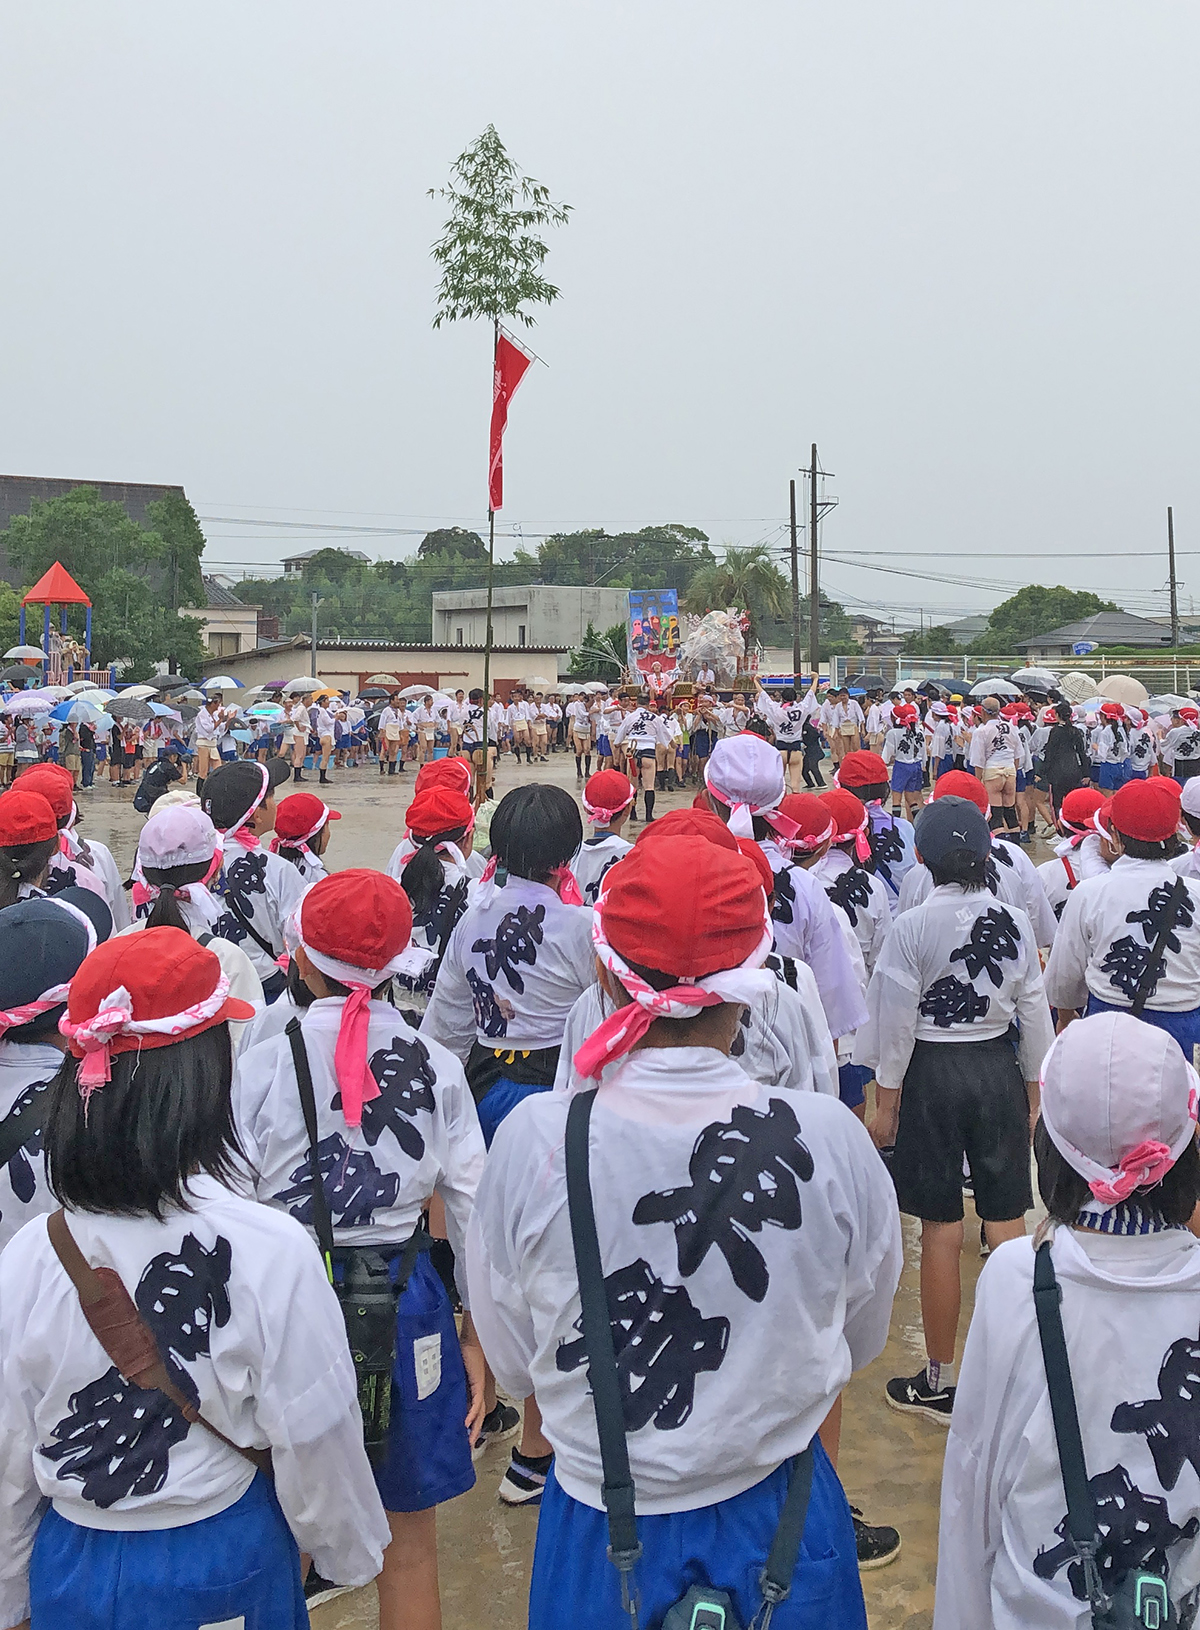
<point x="125" y="1336"/>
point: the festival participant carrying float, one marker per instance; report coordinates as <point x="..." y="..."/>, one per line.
<point x="783" y="1039"/>
<point x="1130" y="939"/>
<point x="744" y="786"/>
<point x="132" y="1494"/>
<point x="954" y="975"/>
<point x="302" y="833"/>
<point x="732" y="1339"/>
<point x="42" y="943"/>
<point x="85" y="865"/>
<point x="392" y="1123"/>
<point x="607" y="799"/>
<point x="1119" y="1174"/>
<point x="259" y="890"/>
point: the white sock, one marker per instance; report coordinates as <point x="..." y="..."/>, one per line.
<point x="940" y="1375"/>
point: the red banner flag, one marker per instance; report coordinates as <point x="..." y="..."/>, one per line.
<point x="511" y="363"/>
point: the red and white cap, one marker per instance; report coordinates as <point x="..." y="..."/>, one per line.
<point x="851" y="819"/>
<point x="905" y="713"/>
<point x="298" y="818"/>
<point x="697" y="822"/>
<point x="56" y="785"/>
<point x="814" y="823"/>
<point x="355" y="927"/>
<point x="862" y="769"/>
<point x="440" y="807"/>
<point x="961" y="784"/>
<point x="141" y="991"/>
<point x="1079" y="807"/>
<point x="686" y="908"/>
<point x="607" y="793"/>
<point x="25" y="817"/>
<point x="1112" y="710"/>
<point x="448" y="772"/>
<point x="1147" y="810"/>
<point x="745" y="773"/>
<point x="1119" y="1103"/>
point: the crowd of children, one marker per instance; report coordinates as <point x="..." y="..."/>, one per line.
<point x="315" y="1182"/>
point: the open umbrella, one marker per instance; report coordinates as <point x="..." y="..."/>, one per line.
<point x="537" y="682"/>
<point x="135" y="712"/>
<point x="265" y="710"/>
<point x="994" y="687"/>
<point x="160" y="710"/>
<point x="1123" y="688"/>
<point x="138" y="693"/>
<point x="30" y="701"/>
<point x="1077" y="687"/>
<point x="1038" y="678"/>
<point x="77" y="711"/>
<point x="593" y="686"/>
<point x="1167" y="703"/>
<point x="411" y="691"/>
<point x="18" y="674"/>
<point x="222" y="682"/>
<point x="30" y="651"/>
<point x="383" y="679"/>
<point x="373" y="691"/>
<point x="302" y="686"/>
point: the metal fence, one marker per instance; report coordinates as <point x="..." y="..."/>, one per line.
<point x="1159" y="675"/>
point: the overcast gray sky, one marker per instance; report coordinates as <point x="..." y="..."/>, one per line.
<point x="953" y="241"/>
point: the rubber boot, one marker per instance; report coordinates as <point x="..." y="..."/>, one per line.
<point x="587" y="764"/>
<point x="649" y="797"/>
<point x="296" y="776"/>
<point x="383" y="766"/>
<point x="324" y="779"/>
<point x="391" y="766"/>
<point x="578" y="767"/>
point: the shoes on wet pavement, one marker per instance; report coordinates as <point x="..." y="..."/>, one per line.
<point x="525" y="1480"/>
<point x="502" y="1423"/>
<point x="912" y="1395"/>
<point x="877" y="1546"/>
<point x="318" y="1590"/>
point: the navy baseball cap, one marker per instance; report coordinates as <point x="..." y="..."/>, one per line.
<point x="951" y="826"/>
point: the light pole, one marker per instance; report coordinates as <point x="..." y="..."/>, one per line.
<point x="316" y="601"/>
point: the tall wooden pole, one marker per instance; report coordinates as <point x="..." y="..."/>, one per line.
<point x="814" y="590"/>
<point x="797" y="654"/>
<point x="481" y="776"/>
<point x="1174" y="588"/>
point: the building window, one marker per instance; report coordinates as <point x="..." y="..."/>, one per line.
<point x="458" y="636"/>
<point x="224" y="645"/>
<point x="520" y="633"/>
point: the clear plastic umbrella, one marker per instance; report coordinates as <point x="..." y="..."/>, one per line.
<point x="994" y="687"/>
<point x="30" y="653"/>
<point x="30" y="701"/>
<point x="303" y="685"/>
<point x="138" y="693"/>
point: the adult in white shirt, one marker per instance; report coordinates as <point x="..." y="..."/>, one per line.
<point x="538" y="725"/>
<point x="786" y="713"/>
<point x="706" y="675"/>
<point x="520" y="717"/>
<point x="763" y="1324"/>
<point x="878" y="721"/>
<point x="299" y="729"/>
<point x="842" y="721"/>
<point x="1119" y="1174"/>
<point x="995" y="749"/>
<point x="638" y="734"/>
<point x="120" y="1506"/>
<point x="208" y="726"/>
<point x="426" y="722"/>
<point x="458" y="717"/>
<point x="393" y="737"/>
<point x="581" y="722"/>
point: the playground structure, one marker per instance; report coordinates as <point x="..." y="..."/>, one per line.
<point x="64" y="659"/>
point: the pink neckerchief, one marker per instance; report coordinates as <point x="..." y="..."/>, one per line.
<point x="562" y="881"/>
<point x="358" y="1086"/>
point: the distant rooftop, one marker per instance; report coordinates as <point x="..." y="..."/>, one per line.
<point x="1106" y="628"/>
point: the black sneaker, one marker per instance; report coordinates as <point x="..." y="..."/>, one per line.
<point x="912" y="1395"/>
<point x="876" y="1546"/>
<point x="318" y="1590"/>
<point x="503" y="1423"/>
<point x="525" y="1480"/>
<point x="984" y="1248"/>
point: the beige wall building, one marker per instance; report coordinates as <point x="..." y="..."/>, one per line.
<point x="229" y="625"/>
<point x="540" y="614"/>
<point x="349" y="664"/>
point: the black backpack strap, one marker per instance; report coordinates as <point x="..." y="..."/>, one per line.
<point x="624" y="1547"/>
<point x="1151" y="973"/>
<point x="264" y="945"/>
<point x="205" y="938"/>
<point x="775" y="1581"/>
<point x="322" y="1223"/>
<point x="1081" y="1507"/>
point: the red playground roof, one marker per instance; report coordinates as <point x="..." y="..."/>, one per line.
<point x="56" y="588"/>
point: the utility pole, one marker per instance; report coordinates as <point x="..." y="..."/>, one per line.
<point x="316" y="601"/>
<point x="818" y="505"/>
<point x="1174" y="586"/>
<point x="797" y="655"/>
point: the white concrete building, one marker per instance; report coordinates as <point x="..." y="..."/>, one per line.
<point x="539" y="614"/>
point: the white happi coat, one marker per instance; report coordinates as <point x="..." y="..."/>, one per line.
<point x="595" y="857"/>
<point x="413" y="990"/>
<point x="782" y="1040"/>
<point x="1012" y="877"/>
<point x="420" y="1135"/>
<point x="861" y="895"/>
<point x="995" y="746"/>
<point x="267" y="890"/>
<point x="786" y="720"/>
<point x="1108" y="929"/>
<point x="893" y="850"/>
<point x="1129" y="1309"/>
<point x="806" y="928"/>
<point x="97" y="857"/>
<point x="516" y="965"/>
<point x="26" y="1071"/>
<point x="905" y="745"/>
<point x="960" y="967"/>
<point x="252" y="1333"/>
<point x="733" y="1338"/>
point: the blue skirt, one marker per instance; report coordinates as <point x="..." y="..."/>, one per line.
<point x="428" y="1454"/>
<point x="1185" y="1027"/>
<point x="724" y="1545"/>
<point x="241" y="1566"/>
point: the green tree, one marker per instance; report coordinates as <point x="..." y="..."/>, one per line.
<point x="747" y="578"/>
<point x="931" y="642"/>
<point x="10" y="617"/>
<point x="490" y="253"/>
<point x="657" y="557"/>
<point x="1035" y="610"/>
<point x="174" y="520"/>
<point x="600" y="656"/>
<point x="455" y="543"/>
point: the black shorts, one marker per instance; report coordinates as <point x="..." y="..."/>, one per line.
<point x="963" y="1098"/>
<point x="790" y="746"/>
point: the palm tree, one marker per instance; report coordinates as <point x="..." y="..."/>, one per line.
<point x="747" y="578"/>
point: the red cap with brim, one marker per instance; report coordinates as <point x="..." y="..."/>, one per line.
<point x="862" y="769"/>
<point x="961" y="784"/>
<point x="25" y="817"/>
<point x="1147" y="811"/>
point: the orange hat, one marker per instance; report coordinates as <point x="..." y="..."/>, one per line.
<point x="961" y="784"/>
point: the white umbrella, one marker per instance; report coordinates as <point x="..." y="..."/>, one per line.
<point x="28" y="653"/>
<point x="593" y="686"/>
<point x="1167" y="703"/>
<point x="994" y="687"/>
<point x="138" y="693"/>
<point x="411" y="691"/>
<point x="299" y="687"/>
<point x="30" y="701"/>
<point x="222" y="682"/>
<point x="1039" y="678"/>
<point x="1123" y="688"/>
<point x="570" y="690"/>
<point x="537" y="682"/>
<point x="1077" y="687"/>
